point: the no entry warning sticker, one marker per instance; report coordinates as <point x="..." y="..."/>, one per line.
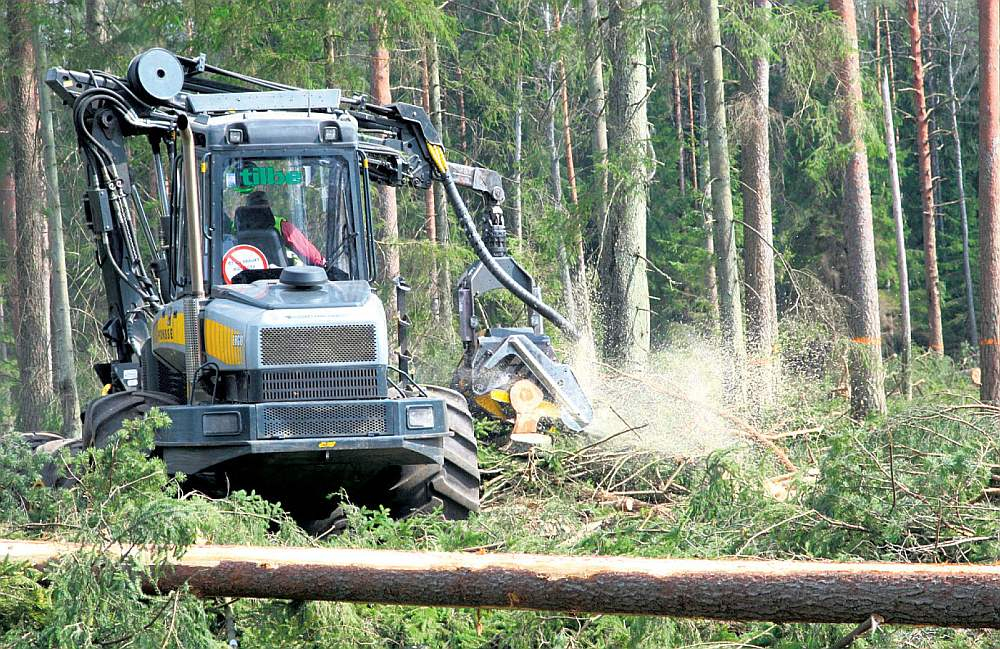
<point x="240" y="258"/>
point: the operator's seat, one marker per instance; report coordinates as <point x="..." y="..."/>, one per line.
<point x="255" y="227"/>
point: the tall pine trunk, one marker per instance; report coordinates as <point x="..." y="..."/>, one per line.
<point x="63" y="357"/>
<point x="518" y="154"/>
<point x="555" y="177"/>
<point x="581" y="296"/>
<point x="8" y="224"/>
<point x="692" y="138"/>
<point x="970" y="301"/>
<point x="906" y="381"/>
<point x="675" y="78"/>
<point x="381" y="92"/>
<point x="758" y="236"/>
<point x="865" y="355"/>
<point x="430" y="209"/>
<point x="596" y="105"/>
<point x="626" y="287"/>
<point x="440" y="200"/>
<point x="31" y="279"/>
<point x="711" y="278"/>
<point x="730" y="305"/>
<point x="95" y="17"/>
<point x="936" y="340"/>
<point x="989" y="197"/>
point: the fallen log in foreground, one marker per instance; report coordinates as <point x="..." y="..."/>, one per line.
<point x="778" y="591"/>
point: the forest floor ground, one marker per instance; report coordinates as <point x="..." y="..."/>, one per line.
<point x="675" y="469"/>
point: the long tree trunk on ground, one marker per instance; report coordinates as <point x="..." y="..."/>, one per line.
<point x="626" y="287"/>
<point x="711" y="278"/>
<point x="596" y="104"/>
<point x="970" y="302"/>
<point x="936" y="341"/>
<point x="555" y="177"/>
<point x="776" y="591"/>
<point x="989" y="198"/>
<point x="63" y="356"/>
<point x="865" y="356"/>
<point x="381" y="92"/>
<point x="675" y="77"/>
<point x="758" y="252"/>
<point x="581" y="296"/>
<point x="730" y="305"/>
<point x="31" y="280"/>
<point x="906" y="381"/>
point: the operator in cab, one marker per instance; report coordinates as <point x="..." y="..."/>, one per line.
<point x="296" y="244"/>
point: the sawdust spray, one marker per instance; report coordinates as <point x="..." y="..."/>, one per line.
<point x="673" y="406"/>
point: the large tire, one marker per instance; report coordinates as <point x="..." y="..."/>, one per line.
<point x="104" y="416"/>
<point x="454" y="487"/>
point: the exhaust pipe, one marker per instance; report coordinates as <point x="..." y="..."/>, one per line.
<point x="192" y="301"/>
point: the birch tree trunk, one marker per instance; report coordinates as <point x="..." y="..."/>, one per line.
<point x="970" y="301"/>
<point x="381" y="92"/>
<point x="730" y="306"/>
<point x="865" y="356"/>
<point x="989" y="197"/>
<point x="758" y="237"/>
<point x="63" y="356"/>
<point x="626" y="287"/>
<point x="936" y="340"/>
<point x="31" y="270"/>
<point x="906" y="381"/>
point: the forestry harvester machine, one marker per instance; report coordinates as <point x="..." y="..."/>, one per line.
<point x="251" y="319"/>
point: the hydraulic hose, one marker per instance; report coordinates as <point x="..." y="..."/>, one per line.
<point x="527" y="297"/>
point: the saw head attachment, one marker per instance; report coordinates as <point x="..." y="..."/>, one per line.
<point x="513" y="374"/>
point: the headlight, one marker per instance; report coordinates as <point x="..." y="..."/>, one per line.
<point x="420" y="417"/>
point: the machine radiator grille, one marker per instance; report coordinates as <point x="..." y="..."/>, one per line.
<point x="320" y="385"/>
<point x="327" y="420"/>
<point x="321" y="345"/>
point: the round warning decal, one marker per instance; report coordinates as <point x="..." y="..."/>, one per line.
<point x="240" y="258"/>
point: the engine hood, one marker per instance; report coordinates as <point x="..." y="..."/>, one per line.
<point x="271" y="294"/>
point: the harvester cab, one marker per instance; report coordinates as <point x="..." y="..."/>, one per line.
<point x="250" y="318"/>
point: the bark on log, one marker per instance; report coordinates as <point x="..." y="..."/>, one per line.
<point x="779" y="591"/>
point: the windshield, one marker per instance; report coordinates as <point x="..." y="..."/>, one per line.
<point x="281" y="212"/>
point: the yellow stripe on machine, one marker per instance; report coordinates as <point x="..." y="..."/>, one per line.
<point x="223" y="343"/>
<point x="169" y="329"/>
